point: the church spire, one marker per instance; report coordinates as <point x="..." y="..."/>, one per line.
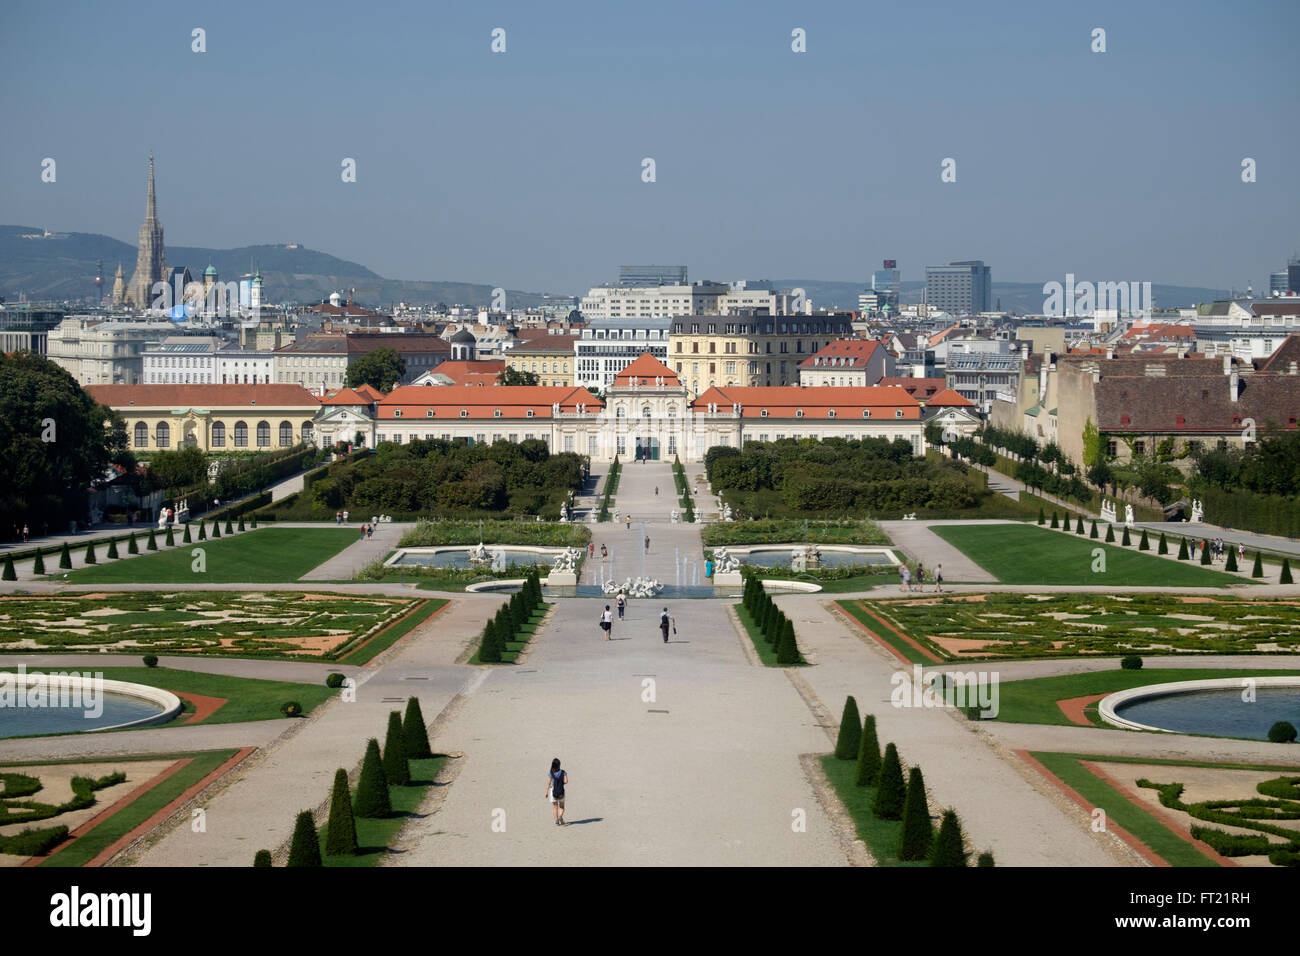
<point x="151" y="205"/>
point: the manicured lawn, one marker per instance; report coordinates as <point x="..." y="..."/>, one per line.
<point x="375" y="836"/>
<point x="1027" y="554"/>
<point x="86" y="848"/>
<point x="1034" y="701"/>
<point x="881" y="836"/>
<point x="855" y="609"/>
<point x="264" y="555"/>
<point x="246" y="698"/>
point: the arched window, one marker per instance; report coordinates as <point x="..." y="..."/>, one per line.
<point x="306" y="432"/>
<point x="263" y="434"/>
<point x="645" y="411"/>
<point x="241" y="434"/>
<point x="141" y="435"/>
<point x="162" y="435"/>
<point x="286" y="434"/>
<point x="618" y="412"/>
<point x="218" y="434"/>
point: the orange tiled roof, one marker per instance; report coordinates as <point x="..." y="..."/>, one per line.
<point x="855" y="352"/>
<point x="513" y="401"/>
<point x="646" y="368"/>
<point x="948" y="397"/>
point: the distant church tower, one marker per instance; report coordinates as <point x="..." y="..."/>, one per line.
<point x="119" y="287"/>
<point x="151" y="259"/>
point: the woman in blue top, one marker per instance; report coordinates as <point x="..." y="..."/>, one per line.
<point x="555" y="782"/>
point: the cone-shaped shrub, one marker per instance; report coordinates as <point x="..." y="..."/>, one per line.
<point x="488" y="652"/>
<point x="152" y="543"/>
<point x="1093" y="532"/>
<point x="241" y="522"/>
<point x="170" y="540"/>
<point x="305" y="848"/>
<point x="1205" y="555"/>
<point x="1256" y="572"/>
<point x="1286" y="572"/>
<point x="38" y="566"/>
<point x="1125" y="540"/>
<point x="1144" y="544"/>
<point x="230" y="529"/>
<point x="1231" y="563"/>
<point x="414" y="732"/>
<point x="90" y="553"/>
<point x="9" y="574"/>
<point x="1055" y="523"/>
<point x="778" y="629"/>
<point x="262" y="858"/>
<point x="112" y="548"/>
<point x="397" y="769"/>
<point x="1078" y="525"/>
<point x="254" y="521"/>
<point x="1163" y="546"/>
<point x="341" y="831"/>
<point x="948" y="849"/>
<point x="1182" y="550"/>
<point x="985" y="859"/>
<point x="846" y="745"/>
<point x="372" y="790"/>
<point x="891" y="792"/>
<point x="216" y="528"/>
<point x="65" y="557"/>
<point x="787" y="651"/>
<point x="1110" y="534"/>
<point x="1042" y="518"/>
<point x="918" y="833"/>
<point x="185" y="538"/>
<point x="203" y="531"/>
<point x="868" y="754"/>
<point x="769" y="617"/>
<point x="131" y="546"/>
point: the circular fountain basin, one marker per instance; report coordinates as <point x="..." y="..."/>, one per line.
<point x="1212" y="708"/>
<point x="832" y="555"/>
<point x="458" y="557"/>
<point x="62" y="703"/>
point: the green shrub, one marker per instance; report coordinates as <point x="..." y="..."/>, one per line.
<point x="305" y="848"/>
<point x="253" y="522"/>
<point x="1182" y="550"/>
<point x="1042" y="518"/>
<point x="203" y="531"/>
<point x="1110" y="534"/>
<point x="262" y="858"/>
<point x="891" y="791"/>
<point x="414" y="731"/>
<point x="170" y="540"/>
<point x="216" y="528"/>
<point x="65" y="557"/>
<point x="152" y="543"/>
<point x="1055" y="522"/>
<point x="372" y="790"/>
<point x="112" y="548"/>
<point x="1125" y="539"/>
<point x="132" y="546"/>
<point x="185" y="538"/>
<point x="948" y="849"/>
<point x="868" y="754"/>
<point x="1205" y="555"/>
<point x="9" y="574"/>
<point x="1283" y="732"/>
<point x="33" y="842"/>
<point x="150" y="660"/>
<point x="917" y="830"/>
<point x="1161" y="548"/>
<point x="38" y="566"/>
<point x="397" y="768"/>
<point x="1286" y="572"/>
<point x="1231" y="563"/>
<point x="90" y="553"/>
<point x="229" y="527"/>
<point x="846" y="745"/>
<point x="241" y="522"/>
<point x="1078" y="526"/>
<point x="1093" y="532"/>
<point x="291" y="708"/>
<point x="985" y="859"/>
<point x="1131" y="662"/>
<point x="341" y="830"/>
<point x="1144" y="544"/>
<point x="334" y="681"/>
<point x="489" y="648"/>
<point x="1258" y="570"/>
<point x="787" y="651"/>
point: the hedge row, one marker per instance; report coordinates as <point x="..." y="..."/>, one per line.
<point x="510" y="619"/>
<point x="776" y="628"/>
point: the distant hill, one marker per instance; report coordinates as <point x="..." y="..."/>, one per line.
<point x="62" y="266"/>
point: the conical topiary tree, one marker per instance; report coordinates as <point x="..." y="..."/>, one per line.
<point x="1231" y="563"/>
<point x="230" y="529"/>
<point x="372" y="790"/>
<point x="948" y="849"/>
<point x="1110" y="534"/>
<point x="1093" y="532"/>
<point x="89" y="557"/>
<point x="152" y="543"/>
<point x="132" y="546"/>
<point x="253" y="523"/>
<point x="170" y="540"/>
<point x="1163" y="546"/>
<point x="9" y="574"/>
<point x="891" y="792"/>
<point x="1125" y="540"/>
<point x="216" y="528"/>
<point x="1256" y="572"/>
<point x="112" y="548"/>
<point x="414" y="732"/>
<point x="1205" y="554"/>
<point x="65" y="557"/>
<point x="241" y="522"/>
<point x="305" y="848"/>
<point x="868" y="754"/>
<point x="489" y="651"/>
<point x="914" y="844"/>
<point x="341" y="831"/>
<point x="1042" y="518"/>
<point x="397" y="769"/>
<point x="262" y="858"/>
<point x="203" y="531"/>
<point x="1286" y="572"/>
<point x="38" y="566"/>
<point x="787" y="650"/>
<point x="1078" y="525"/>
<point x="1182" y="550"/>
<point x="185" y="538"/>
<point x="1144" y="544"/>
<point x="846" y="744"/>
<point x="1055" y="522"/>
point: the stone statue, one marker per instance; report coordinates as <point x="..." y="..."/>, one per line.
<point x="1128" y="515"/>
<point x="498" y="558"/>
<point x="724" y="561"/>
<point x="1198" y="512"/>
<point x="479" y="554"/>
<point x="726" y="512"/>
<point x="1108" y="512"/>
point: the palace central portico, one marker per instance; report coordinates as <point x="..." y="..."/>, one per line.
<point x="647" y="413"/>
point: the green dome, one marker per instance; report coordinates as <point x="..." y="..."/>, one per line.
<point x="211" y="270"/>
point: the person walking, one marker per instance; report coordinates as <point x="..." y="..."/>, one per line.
<point x="363" y="532"/>
<point x="629" y="522"/>
<point x="370" y="531"/>
<point x="920" y="577"/>
<point x="556" y="781"/>
<point x="647" y="544"/>
<point x="666" y="621"/>
<point x="904" y="577"/>
<point x="607" y="622"/>
<point x="345" y="516"/>
<point x="591" y="549"/>
<point x="604" y="551"/>
<point x="938" y="578"/>
<point x="656" y="491"/>
<point x="621" y="602"/>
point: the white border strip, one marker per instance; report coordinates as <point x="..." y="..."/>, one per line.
<point x="169" y="702"/>
<point x="1108" y="705"/>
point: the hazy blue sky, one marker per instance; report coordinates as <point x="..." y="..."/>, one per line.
<point x="523" y="169"/>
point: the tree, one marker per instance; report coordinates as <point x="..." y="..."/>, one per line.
<point x="489" y="650"/>
<point x="9" y="574"/>
<point x="868" y="754"/>
<point x="413" y="730"/>
<point x="1231" y="563"/>
<point x="380" y="368"/>
<point x="90" y="552"/>
<point x="170" y="540"/>
<point x="178" y="469"/>
<point x="1078" y="525"/>
<point x="891" y="791"/>
<point x="112" y="548"/>
<point x="262" y="858"/>
<point x="787" y="650"/>
<point x="1285" y="577"/>
<point x="152" y="543"/>
<point x="1055" y="524"/>
<point x="1163" y="546"/>
<point x="1144" y="544"/>
<point x="846" y="746"/>
<point x="1256" y="572"/>
<point x="397" y="768"/>
<point x="185" y="539"/>
<point x="917" y="830"/>
<point x="305" y="848"/>
<point x="1110" y="534"/>
<point x="55" y="440"/>
<point x="1182" y="550"/>
<point x="38" y="566"/>
<point x="948" y="849"/>
<point x="65" y="557"/>
<point x="1125" y="540"/>
<point x="341" y="831"/>
<point x="1205" y="555"/>
<point x="1092" y="533"/>
<point x="1094" y="450"/>
<point x="1042" y="519"/>
<point x="372" y="791"/>
<point x="985" y="859"/>
<point x="512" y="376"/>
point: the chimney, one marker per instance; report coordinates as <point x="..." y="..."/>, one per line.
<point x="1227" y="364"/>
<point x="1234" y="385"/>
<point x="1110" y="353"/>
<point x="1293" y="369"/>
<point x="1024" y="351"/>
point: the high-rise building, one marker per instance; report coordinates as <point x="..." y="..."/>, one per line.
<point x="959" y="288"/>
<point x="151" y="258"/>
<point x="1278" y="283"/>
<point x="642" y="276"/>
<point x="885" y="283"/>
<point x="1293" y="275"/>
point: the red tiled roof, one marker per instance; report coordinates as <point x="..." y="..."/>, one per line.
<point x="855" y="352"/>
<point x="346" y="396"/>
<point x="471" y="373"/>
<point x="513" y="401"/>
<point x="201" y="396"/>
<point x="646" y="368"/>
<point x="370" y="392"/>
<point x="783" y="401"/>
<point x="544" y="342"/>
<point x="947" y="398"/>
<point x="918" y="388"/>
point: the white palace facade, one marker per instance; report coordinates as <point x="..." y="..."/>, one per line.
<point x="647" y="412"/>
